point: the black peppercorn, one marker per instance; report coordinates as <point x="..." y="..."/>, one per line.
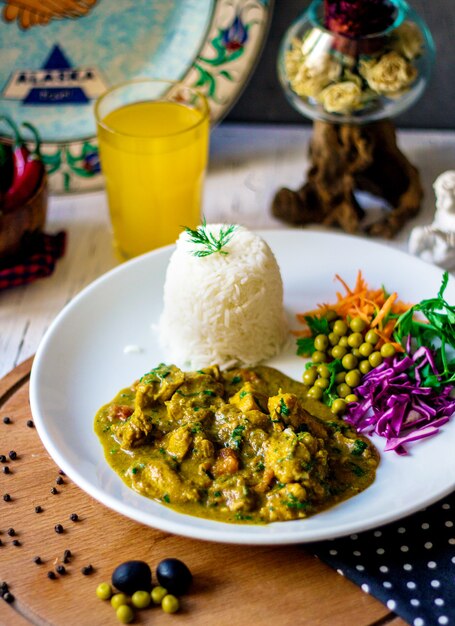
<point x="38" y="509"/>
<point x="1" y="542"/>
<point x="87" y="570"/>
<point x="37" y="560"/>
<point x="11" y="532"/>
<point x="61" y="472"/>
<point x="2" y="458"/>
<point x="12" y="455"/>
<point x="74" y="517"/>
<point x="60" y="569"/>
<point x="51" y="575"/>
<point x="54" y="490"/>
<point x="6" y="470"/>
<point x="67" y="554"/>
<point x="7" y="420"/>
<point x="59" y="480"/>
<point x="7" y="497"/>
<point x="8" y="597"/>
<point x="58" y="528"/>
<point x="30" y="423"/>
<point x="16" y="542"/>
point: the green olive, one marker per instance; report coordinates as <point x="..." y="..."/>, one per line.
<point x="353" y="378"/>
<point x="366" y="349"/>
<point x="331" y="315"/>
<point x="309" y="376"/>
<point x="124" y="614"/>
<point x="355" y="340"/>
<point x="364" y="366"/>
<point x="340" y="377"/>
<point x="119" y="599"/>
<point x="351" y="398"/>
<point x="338" y="406"/>
<point x="323" y="371"/>
<point x="322" y="383"/>
<point x="104" y="591"/>
<point x="333" y="339"/>
<point x="315" y="392"/>
<point x="338" y="352"/>
<point x="375" y="358"/>
<point x="357" y="324"/>
<point x="321" y="342"/>
<point x="340" y="328"/>
<point x="343" y="342"/>
<point x="170" y="604"/>
<point x="158" y="594"/>
<point x="372" y="337"/>
<point x="141" y="599"/>
<point x="387" y="350"/>
<point x="319" y="357"/>
<point x="349" y="361"/>
<point x="343" y="390"/>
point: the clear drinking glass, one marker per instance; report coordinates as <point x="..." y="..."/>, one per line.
<point x="153" y="139"/>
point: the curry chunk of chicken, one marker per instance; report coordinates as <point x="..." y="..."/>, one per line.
<point x="158" y="480"/>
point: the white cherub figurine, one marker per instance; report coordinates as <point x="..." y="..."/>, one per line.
<point x="436" y="242"/>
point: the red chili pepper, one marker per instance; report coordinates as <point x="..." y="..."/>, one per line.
<point x="28" y="168"/>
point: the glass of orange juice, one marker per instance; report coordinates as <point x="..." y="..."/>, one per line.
<point x="153" y="139"/>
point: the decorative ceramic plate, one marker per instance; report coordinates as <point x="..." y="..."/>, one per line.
<point x="80" y="365"/>
<point x="58" y="57"/>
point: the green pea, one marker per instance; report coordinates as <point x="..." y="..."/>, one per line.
<point x="141" y="599"/>
<point x="321" y="342"/>
<point x="387" y="350"/>
<point x="364" y="366"/>
<point x="158" y="594"/>
<point x="356" y="352"/>
<point x="357" y="324"/>
<point x="353" y="378"/>
<point x="309" y="376"/>
<point x="343" y="342"/>
<point x="340" y="377"/>
<point x="340" y="328"/>
<point x="170" y="604"/>
<point x="349" y="361"/>
<point x="323" y="371"/>
<point x="315" y="392"/>
<point x="372" y="337"/>
<point x="319" y="357"/>
<point x="104" y="591"/>
<point x="331" y="315"/>
<point x="338" y="352"/>
<point x="366" y="349"/>
<point x="119" y="599"/>
<point x="355" y="340"/>
<point x="375" y="358"/>
<point x="338" y="406"/>
<point x="333" y="339"/>
<point x="351" y="398"/>
<point x="322" y="383"/>
<point x="343" y="390"/>
<point x="124" y="614"/>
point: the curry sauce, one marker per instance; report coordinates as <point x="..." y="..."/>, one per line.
<point x="244" y="445"/>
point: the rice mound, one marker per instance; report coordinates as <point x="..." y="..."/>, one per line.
<point x="224" y="309"/>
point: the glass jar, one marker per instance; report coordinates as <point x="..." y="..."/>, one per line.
<point x="332" y="77"/>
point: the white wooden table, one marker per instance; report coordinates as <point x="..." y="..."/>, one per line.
<point x="248" y="165"/>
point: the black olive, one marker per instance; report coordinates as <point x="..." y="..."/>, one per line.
<point x="132" y="576"/>
<point x="174" y="576"/>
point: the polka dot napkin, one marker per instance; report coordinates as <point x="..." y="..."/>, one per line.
<point x="408" y="565"/>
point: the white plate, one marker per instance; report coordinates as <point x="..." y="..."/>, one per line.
<point x="80" y="365"/>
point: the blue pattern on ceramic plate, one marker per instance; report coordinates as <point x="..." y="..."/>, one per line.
<point x="120" y="39"/>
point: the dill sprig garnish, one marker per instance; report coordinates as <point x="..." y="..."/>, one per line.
<point x="210" y="242"/>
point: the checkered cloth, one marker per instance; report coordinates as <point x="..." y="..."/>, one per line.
<point x="35" y="260"/>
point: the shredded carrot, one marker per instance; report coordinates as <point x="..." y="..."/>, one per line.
<point x="372" y="305"/>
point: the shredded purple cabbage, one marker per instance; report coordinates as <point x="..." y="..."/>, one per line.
<point x="393" y="405"/>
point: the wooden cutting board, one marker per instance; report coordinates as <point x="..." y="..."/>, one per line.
<point x="233" y="585"/>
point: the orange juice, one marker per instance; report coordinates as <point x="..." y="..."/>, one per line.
<point x="153" y="156"/>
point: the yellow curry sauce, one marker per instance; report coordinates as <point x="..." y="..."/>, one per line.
<point x="244" y="445"/>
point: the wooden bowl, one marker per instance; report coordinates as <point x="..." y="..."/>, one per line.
<point x="23" y="221"/>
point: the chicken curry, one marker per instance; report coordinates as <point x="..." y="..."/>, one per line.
<point x="243" y="445"/>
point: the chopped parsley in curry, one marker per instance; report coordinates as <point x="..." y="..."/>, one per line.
<point x="243" y="445"/>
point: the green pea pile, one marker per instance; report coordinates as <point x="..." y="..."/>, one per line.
<point x="353" y="344"/>
<point x="124" y="605"/>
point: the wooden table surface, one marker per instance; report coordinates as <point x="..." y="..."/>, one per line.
<point x="248" y="164"/>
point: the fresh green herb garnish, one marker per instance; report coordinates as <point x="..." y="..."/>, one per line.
<point x="358" y="447"/>
<point x="284" y="410"/>
<point x="236" y="380"/>
<point x="292" y="503"/>
<point x="210" y="242"/>
<point x="166" y="498"/>
<point x="236" y="435"/>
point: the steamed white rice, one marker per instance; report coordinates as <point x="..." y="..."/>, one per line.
<point x="224" y="309"/>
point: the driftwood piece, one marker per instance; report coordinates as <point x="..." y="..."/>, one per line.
<point x="346" y="158"/>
